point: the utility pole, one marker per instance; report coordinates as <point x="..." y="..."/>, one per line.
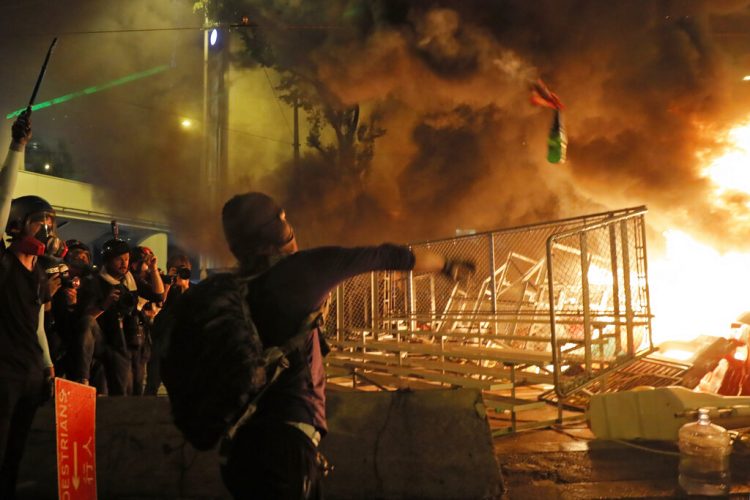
<point x="205" y="261"/>
<point x="215" y="119"/>
<point x="296" y="132"/>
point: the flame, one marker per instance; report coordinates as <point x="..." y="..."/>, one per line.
<point x="695" y="289"/>
<point x="731" y="170"/>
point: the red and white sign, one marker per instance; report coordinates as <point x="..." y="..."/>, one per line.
<point x="75" y="417"/>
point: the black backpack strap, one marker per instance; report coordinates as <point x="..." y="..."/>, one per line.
<point x="273" y="356"/>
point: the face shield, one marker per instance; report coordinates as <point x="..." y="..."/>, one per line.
<point x="42" y="227"/>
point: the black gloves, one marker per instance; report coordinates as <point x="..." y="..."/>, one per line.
<point x="21" y="129"/>
<point x="458" y="269"/>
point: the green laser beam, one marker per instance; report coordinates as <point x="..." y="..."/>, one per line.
<point x="92" y="90"/>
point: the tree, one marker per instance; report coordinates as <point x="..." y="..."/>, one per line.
<point x="352" y="148"/>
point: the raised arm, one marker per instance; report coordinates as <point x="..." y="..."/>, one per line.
<point x="307" y="277"/>
<point x="21" y="132"/>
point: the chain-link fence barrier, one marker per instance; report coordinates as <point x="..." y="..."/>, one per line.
<point x="562" y="302"/>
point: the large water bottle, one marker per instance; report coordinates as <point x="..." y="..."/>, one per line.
<point x="704" y="457"/>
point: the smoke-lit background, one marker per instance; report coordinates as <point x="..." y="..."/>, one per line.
<point x="445" y="137"/>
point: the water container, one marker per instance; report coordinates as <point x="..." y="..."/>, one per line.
<point x="704" y="457"/>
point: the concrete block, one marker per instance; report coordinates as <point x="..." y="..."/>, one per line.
<point x="420" y="444"/>
<point x="423" y="444"/>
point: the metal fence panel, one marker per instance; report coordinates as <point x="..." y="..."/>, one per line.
<point x="562" y="302"/>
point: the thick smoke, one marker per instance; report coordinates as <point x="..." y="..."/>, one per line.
<point x="127" y="139"/>
<point x="648" y="85"/>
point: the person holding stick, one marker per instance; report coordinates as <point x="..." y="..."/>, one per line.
<point x="25" y="366"/>
<point x="26" y="369"/>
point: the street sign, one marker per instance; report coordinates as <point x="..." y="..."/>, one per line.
<point x="75" y="418"/>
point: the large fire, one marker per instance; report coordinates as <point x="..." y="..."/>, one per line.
<point x="696" y="290"/>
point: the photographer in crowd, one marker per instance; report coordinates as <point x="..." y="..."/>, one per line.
<point x="176" y="282"/>
<point x="143" y="266"/>
<point x="60" y="320"/>
<point x="110" y="320"/>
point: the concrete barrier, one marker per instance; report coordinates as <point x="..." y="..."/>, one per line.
<point x="424" y="444"/>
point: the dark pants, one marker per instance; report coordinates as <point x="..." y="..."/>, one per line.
<point x="88" y="346"/>
<point x="138" y="359"/>
<point x="117" y="366"/>
<point x="270" y="459"/>
<point x="19" y="400"/>
<point x="153" y="375"/>
<point x="91" y="351"/>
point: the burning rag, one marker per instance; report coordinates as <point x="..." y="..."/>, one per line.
<point x="557" y="140"/>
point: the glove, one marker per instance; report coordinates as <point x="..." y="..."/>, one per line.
<point x="458" y="269"/>
<point x="21" y="129"/>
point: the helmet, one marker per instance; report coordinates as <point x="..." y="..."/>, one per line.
<point x="77" y="245"/>
<point x="20" y="210"/>
<point x="113" y="248"/>
<point x="74" y="249"/>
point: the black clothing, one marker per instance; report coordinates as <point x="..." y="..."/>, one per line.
<point x="120" y="321"/>
<point x="271" y="459"/>
<point x="282" y="298"/>
<point x="110" y="337"/>
<point x="22" y="293"/>
<point x="19" y="400"/>
<point x="139" y="358"/>
<point x="153" y="369"/>
<point x="60" y="329"/>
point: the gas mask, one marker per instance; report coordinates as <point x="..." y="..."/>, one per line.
<point x="44" y="241"/>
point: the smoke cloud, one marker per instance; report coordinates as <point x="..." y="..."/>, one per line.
<point x="648" y="87"/>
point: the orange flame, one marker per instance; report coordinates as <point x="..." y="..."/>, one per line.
<point x="696" y="290"/>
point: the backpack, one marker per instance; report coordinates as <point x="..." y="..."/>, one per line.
<point x="214" y="366"/>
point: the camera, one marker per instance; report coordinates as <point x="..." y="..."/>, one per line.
<point x="182" y="273"/>
<point x="127" y="302"/>
<point x="70" y="282"/>
<point x="66" y="281"/>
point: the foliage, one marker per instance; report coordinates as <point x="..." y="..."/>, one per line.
<point x="353" y="140"/>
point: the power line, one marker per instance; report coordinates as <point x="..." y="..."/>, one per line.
<point x="278" y="101"/>
<point x="320" y="27"/>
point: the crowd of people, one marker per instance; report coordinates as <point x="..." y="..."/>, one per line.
<point x="61" y="316"/>
<point x="94" y="326"/>
<point x="99" y="326"/>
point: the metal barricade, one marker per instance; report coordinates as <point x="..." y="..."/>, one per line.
<point x="561" y="302"/>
